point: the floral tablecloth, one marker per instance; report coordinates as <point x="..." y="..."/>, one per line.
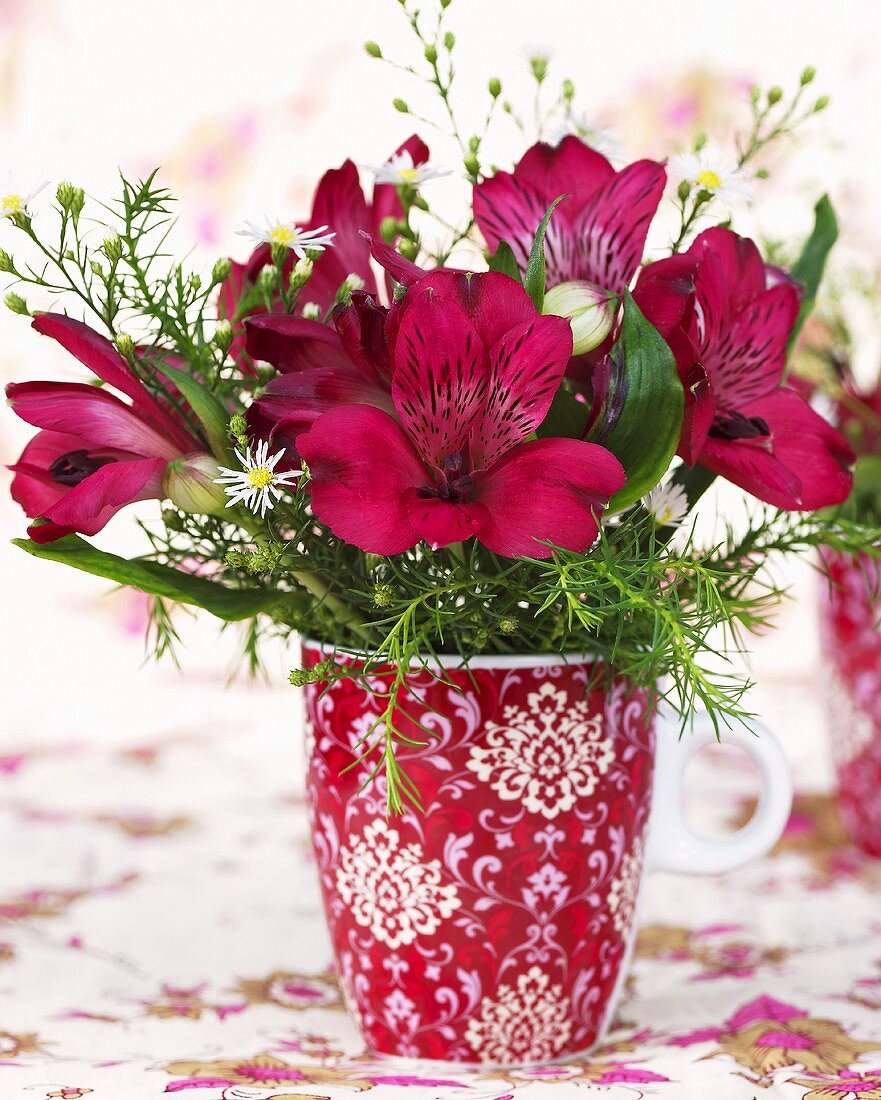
<point x="161" y="933"/>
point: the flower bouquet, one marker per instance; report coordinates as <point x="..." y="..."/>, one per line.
<point x="463" y="458"/>
<point x="851" y="602"/>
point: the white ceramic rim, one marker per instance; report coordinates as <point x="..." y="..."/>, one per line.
<point x="481" y="660"/>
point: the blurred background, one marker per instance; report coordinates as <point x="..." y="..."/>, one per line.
<point x="243" y="112"/>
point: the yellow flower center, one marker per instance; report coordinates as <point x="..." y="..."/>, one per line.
<point x="260" y="477"/>
<point x="282" y="234"/>
<point x="408" y="175"/>
<point x="663" y="514"/>
<point x="11" y="204"/>
<point x="710" y="180"/>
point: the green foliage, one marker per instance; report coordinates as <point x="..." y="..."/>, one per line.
<point x="157" y="580"/>
<point x="504" y="260"/>
<point x="809" y="267"/>
<point x="534" y="276"/>
<point x="647" y="390"/>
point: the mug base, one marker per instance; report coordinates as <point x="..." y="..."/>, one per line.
<point x="403" y="1062"/>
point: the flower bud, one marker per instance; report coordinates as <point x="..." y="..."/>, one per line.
<point x="590" y="308"/>
<point x="389" y="229"/>
<point x="372" y="49"/>
<point x="312" y="311"/>
<point x="221" y="270"/>
<point x="775" y="94"/>
<point x="495" y="87"/>
<point x="300" y="273"/>
<point x="113" y="249"/>
<point x="17" y="304"/>
<point x="222" y="337"/>
<point x="449" y="40"/>
<point x="431" y="54"/>
<point x="401" y="105"/>
<point x="238" y="429"/>
<point x="807" y="74"/>
<point x="539" y="65"/>
<point x="821" y="104"/>
<point x="568" y="90"/>
<point x="125" y="345"/>
<point x="472" y="164"/>
<point x="71" y="199"/>
<point x="351" y="283"/>
<point x="6" y="264"/>
<point x="189" y="484"/>
<point x="267" y="279"/>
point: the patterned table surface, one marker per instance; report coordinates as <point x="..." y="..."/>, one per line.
<point x="161" y="933"/>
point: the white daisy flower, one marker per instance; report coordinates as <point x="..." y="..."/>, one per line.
<point x="14" y="200"/>
<point x="291" y="236"/>
<point x="667" y="504"/>
<point x="257" y="483"/>
<point x="401" y="171"/>
<point x="723" y="180"/>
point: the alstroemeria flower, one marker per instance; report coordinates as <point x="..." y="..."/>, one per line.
<point x="340" y="207"/>
<point x="97" y="452"/>
<point x="319" y="367"/>
<point x="474" y="370"/>
<point x="596" y="234"/>
<point x="728" y="319"/>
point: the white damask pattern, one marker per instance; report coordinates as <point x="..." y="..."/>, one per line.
<point x="547" y="756"/>
<point x="625" y="889"/>
<point x="528" y="1024"/>
<point x="391" y="889"/>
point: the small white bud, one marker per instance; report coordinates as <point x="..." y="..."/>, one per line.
<point x="591" y="309"/>
<point x="189" y="483"/>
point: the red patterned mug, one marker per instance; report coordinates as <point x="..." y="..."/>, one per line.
<point x="496" y="926"/>
<point x="851" y="644"/>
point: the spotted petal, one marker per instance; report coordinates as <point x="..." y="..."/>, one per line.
<point x="748" y="358"/>
<point x="526" y="367"/>
<point x="440" y="376"/>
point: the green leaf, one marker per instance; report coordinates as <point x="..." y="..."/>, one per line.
<point x="504" y="260"/>
<point x="567" y="417"/>
<point x="534" y="279"/>
<point x="210" y="411"/>
<point x="808" y="268"/>
<point x="646" y="386"/>
<point x="231" y="604"/>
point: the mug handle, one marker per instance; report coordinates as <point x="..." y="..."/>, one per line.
<point x="673" y="846"/>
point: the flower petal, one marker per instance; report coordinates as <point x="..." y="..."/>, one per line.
<point x="101" y="357"/>
<point x="664" y="292"/>
<point x="401" y="269"/>
<point x="547" y="489"/>
<point x="362" y="466"/>
<point x="340" y="204"/>
<point x="804" y="465"/>
<point x="361" y="325"/>
<point x="526" y="367"/>
<point x="91" y="413"/>
<point x="509" y="209"/>
<point x="611" y="229"/>
<point x="293" y="402"/>
<point x="440" y="522"/>
<point x="90" y="505"/>
<point x="32" y="485"/>
<point x="748" y="359"/>
<point x="294" y="343"/>
<point x="741" y="267"/>
<point x="570" y="168"/>
<point x="440" y="376"/>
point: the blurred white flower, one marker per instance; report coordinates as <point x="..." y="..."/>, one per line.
<point x="723" y="180"/>
<point x="14" y="199"/>
<point x="289" y="235"/>
<point x="667" y="505"/>
<point x="401" y="171"/>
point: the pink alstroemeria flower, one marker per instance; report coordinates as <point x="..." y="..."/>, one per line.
<point x="341" y="204"/>
<point x="97" y="453"/>
<point x="728" y="319"/>
<point x="474" y="371"/>
<point x="596" y="234"/>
